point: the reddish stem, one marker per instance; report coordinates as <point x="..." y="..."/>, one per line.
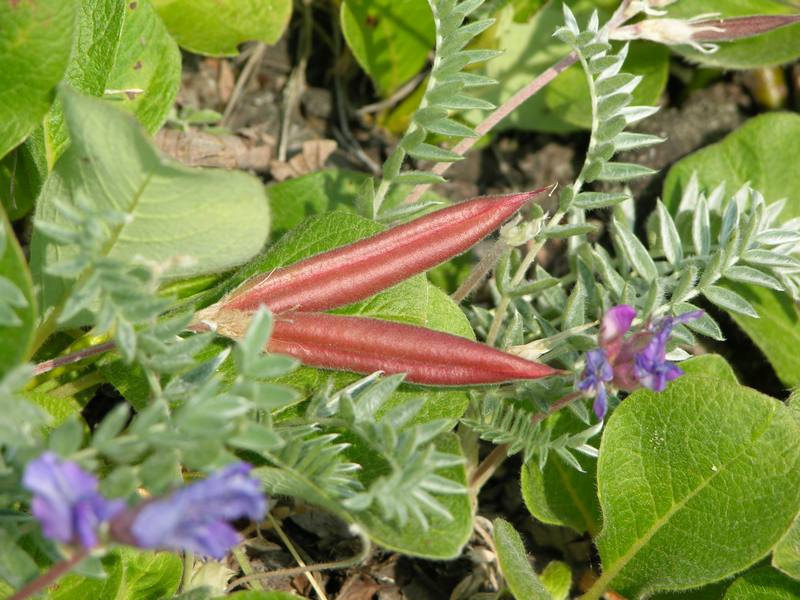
<point x="49" y="577"/>
<point x="72" y="357"/>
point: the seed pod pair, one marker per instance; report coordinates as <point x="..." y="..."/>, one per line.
<point x="351" y="273"/>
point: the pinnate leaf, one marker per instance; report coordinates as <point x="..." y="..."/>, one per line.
<point x="736" y="160"/>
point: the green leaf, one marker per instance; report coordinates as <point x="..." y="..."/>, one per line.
<point x="294" y="200"/>
<point x="736" y="160"/>
<point x="730" y="301"/>
<point x="216" y="28"/>
<point x="763" y="584"/>
<point x="557" y="579"/>
<point x="390" y="40"/>
<point x="530" y="48"/>
<point x="635" y="251"/>
<point x="671" y="463"/>
<point x="560" y="494"/>
<point x="16" y="565"/>
<point x="35" y="40"/>
<point x="18" y="302"/>
<point x="711" y="366"/>
<point x="773" y="48"/>
<point x="131" y="575"/>
<point x="443" y="538"/>
<point x="514" y="564"/>
<point x="253" y="595"/>
<point x="119" y="46"/>
<point x="786" y="555"/>
<point x="174" y="211"/>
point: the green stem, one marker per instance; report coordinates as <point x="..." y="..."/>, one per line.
<point x="497" y="456"/>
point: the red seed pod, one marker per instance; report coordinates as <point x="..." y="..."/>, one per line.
<point x="359" y="270"/>
<point x="737" y="28"/>
<point x="366" y="345"/>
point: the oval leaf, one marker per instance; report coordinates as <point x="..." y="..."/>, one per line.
<point x="217" y="28"/>
<point x="35" y="42"/>
<point x="671" y="463"/>
<point x="515" y="565"/>
<point x="17" y="303"/>
<point x="174" y="211"/>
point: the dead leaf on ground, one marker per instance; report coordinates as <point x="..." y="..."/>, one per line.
<point x="311" y="158"/>
<point x="201" y="149"/>
<point x="358" y="587"/>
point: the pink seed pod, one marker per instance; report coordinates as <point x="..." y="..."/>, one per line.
<point x="366" y="345"/>
<point x="359" y="270"/>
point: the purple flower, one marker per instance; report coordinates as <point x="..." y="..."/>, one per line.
<point x="595" y="375"/>
<point x="630" y="361"/>
<point x="651" y="367"/>
<point x="66" y="501"/>
<point x="195" y="518"/>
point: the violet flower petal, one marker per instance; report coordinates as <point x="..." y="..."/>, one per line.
<point x="594" y="377"/>
<point x="66" y="501"/>
<point x="613" y="327"/>
<point x="195" y="517"/>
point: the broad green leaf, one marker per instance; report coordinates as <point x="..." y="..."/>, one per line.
<point x="412" y="301"/>
<point x="35" y="40"/>
<point x="560" y="494"/>
<point x="737" y="159"/>
<point x="294" y="200"/>
<point x="217" y="28"/>
<point x="390" y="39"/>
<point x="213" y="219"/>
<point x="59" y="409"/>
<point x="671" y="463"/>
<point x="130" y="575"/>
<point x="16" y="566"/>
<point x="22" y="173"/>
<point x="773" y="48"/>
<point x="715" y="591"/>
<point x="557" y="579"/>
<point x="17" y="302"/>
<point x="78" y="587"/>
<point x="149" y="575"/>
<point x="253" y="595"/>
<point x="530" y="48"/>
<point x="514" y="564"/>
<point x="763" y="584"/>
<point x="122" y="52"/>
<point x="442" y="540"/>
<point x="711" y="366"/>
<point x="786" y="555"/>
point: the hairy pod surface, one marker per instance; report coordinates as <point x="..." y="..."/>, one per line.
<point x="359" y="270"/>
<point x="366" y="345"/>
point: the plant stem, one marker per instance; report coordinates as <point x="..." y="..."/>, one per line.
<point x="480" y="271"/>
<point x="497" y="456"/>
<point x="48" y="578"/>
<point x="72" y="357"/>
<point x="526" y="263"/>
<point x="498" y="115"/>
<point x="362" y="555"/>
